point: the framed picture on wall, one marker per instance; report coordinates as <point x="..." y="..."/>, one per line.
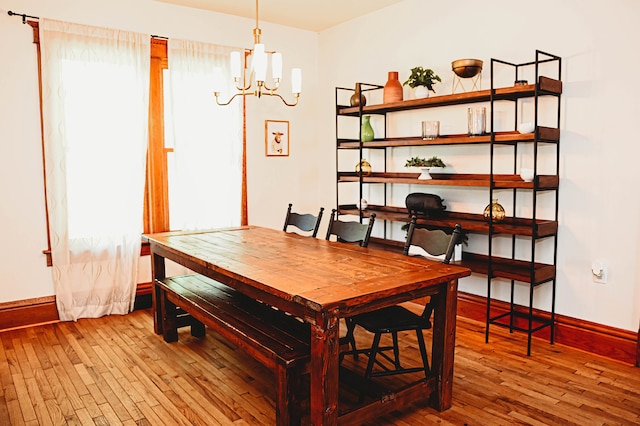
<point x="276" y="140"/>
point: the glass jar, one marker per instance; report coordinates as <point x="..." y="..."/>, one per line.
<point x="476" y="121"/>
<point x="494" y="211"/>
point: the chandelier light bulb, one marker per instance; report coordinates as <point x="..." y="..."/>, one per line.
<point x="296" y="81"/>
<point x="276" y="66"/>
<point x="236" y="65"/>
<point x="260" y="62"/>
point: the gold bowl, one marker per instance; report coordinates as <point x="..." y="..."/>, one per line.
<point x="466" y="68"/>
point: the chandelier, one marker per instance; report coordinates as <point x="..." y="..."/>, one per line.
<point x="258" y="72"/>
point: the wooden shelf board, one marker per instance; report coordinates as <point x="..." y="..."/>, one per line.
<point x="470" y="222"/>
<point x="501" y="181"/>
<point x="518" y="270"/>
<point x="545" y="134"/>
<point x="546" y="86"/>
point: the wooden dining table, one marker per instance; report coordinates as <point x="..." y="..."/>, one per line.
<point x="321" y="282"/>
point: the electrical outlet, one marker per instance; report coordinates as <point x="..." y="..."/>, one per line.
<point x="599" y="272"/>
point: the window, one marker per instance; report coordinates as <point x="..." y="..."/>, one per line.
<point x="160" y="186"/>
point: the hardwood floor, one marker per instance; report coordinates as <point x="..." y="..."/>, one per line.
<point x="114" y="370"/>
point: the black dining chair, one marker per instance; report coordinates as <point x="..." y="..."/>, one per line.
<point x="395" y="319"/>
<point x="304" y="222"/>
<point x="350" y="232"/>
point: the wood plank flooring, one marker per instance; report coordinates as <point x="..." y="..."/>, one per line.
<point x="115" y="371"/>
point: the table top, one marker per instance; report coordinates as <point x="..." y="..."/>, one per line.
<point x="315" y="273"/>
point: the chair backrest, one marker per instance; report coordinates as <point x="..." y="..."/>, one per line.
<point x="434" y="242"/>
<point x="304" y="222"/>
<point x="350" y="232"/>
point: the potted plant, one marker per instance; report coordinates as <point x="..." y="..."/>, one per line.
<point x="425" y="165"/>
<point x="422" y="80"/>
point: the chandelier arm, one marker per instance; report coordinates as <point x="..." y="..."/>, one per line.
<point x="297" y="95"/>
<point x="217" y="95"/>
<point x="284" y="101"/>
<point x="274" y="88"/>
<point x="243" y="89"/>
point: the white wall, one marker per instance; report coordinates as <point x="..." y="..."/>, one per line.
<point x="599" y="206"/>
<point x="273" y="182"/>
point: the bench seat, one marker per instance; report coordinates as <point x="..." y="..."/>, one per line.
<point x="277" y="340"/>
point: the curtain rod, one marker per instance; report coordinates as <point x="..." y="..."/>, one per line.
<point x="24" y="17"/>
<point x="24" y="21"/>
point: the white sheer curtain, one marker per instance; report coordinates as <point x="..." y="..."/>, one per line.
<point x="95" y="113"/>
<point x="206" y="186"/>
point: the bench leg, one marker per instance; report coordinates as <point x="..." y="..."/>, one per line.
<point x="287" y="389"/>
<point x="197" y="328"/>
<point x="168" y="313"/>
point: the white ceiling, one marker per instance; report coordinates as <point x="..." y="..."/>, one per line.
<point x="306" y="14"/>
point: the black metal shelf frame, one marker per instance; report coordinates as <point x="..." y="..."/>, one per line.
<point x="540" y="58"/>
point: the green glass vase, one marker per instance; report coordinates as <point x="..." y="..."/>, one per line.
<point x="366" y="131"/>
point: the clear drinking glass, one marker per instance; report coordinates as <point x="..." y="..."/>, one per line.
<point x="430" y="130"/>
<point x="476" y="119"/>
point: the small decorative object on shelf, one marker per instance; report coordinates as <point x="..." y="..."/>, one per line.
<point x="421" y="204"/>
<point x="364" y="166"/>
<point x="366" y="131"/>
<point x="527" y="175"/>
<point x="392" y="89"/>
<point x="494" y="211"/>
<point x="422" y="80"/>
<point x="467" y="69"/>
<point x="363" y="204"/>
<point x="476" y="120"/>
<point x="430" y="130"/>
<point x="520" y="83"/>
<point x="358" y="97"/>
<point x="526" y="127"/>
<point x="425" y="165"/>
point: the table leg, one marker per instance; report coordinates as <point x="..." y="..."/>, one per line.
<point x="444" y="339"/>
<point x="324" y="369"/>
<point x="158" y="272"/>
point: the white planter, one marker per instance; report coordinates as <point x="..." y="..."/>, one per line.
<point x="424" y="173"/>
<point x="421" y="92"/>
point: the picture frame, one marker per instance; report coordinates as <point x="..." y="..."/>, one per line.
<point x="276" y="138"/>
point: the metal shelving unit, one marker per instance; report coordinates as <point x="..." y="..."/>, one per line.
<point x="534" y="228"/>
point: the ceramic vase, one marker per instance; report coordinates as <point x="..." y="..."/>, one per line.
<point x="366" y="131"/>
<point x="392" y="89"/>
<point x="494" y="211"/>
<point x="357" y="98"/>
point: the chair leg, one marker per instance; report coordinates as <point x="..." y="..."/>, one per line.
<point x="372" y="356"/>
<point x="351" y="326"/>
<point x="396" y="350"/>
<point x="423" y="353"/>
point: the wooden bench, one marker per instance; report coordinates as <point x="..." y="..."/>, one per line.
<point x="275" y="339"/>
